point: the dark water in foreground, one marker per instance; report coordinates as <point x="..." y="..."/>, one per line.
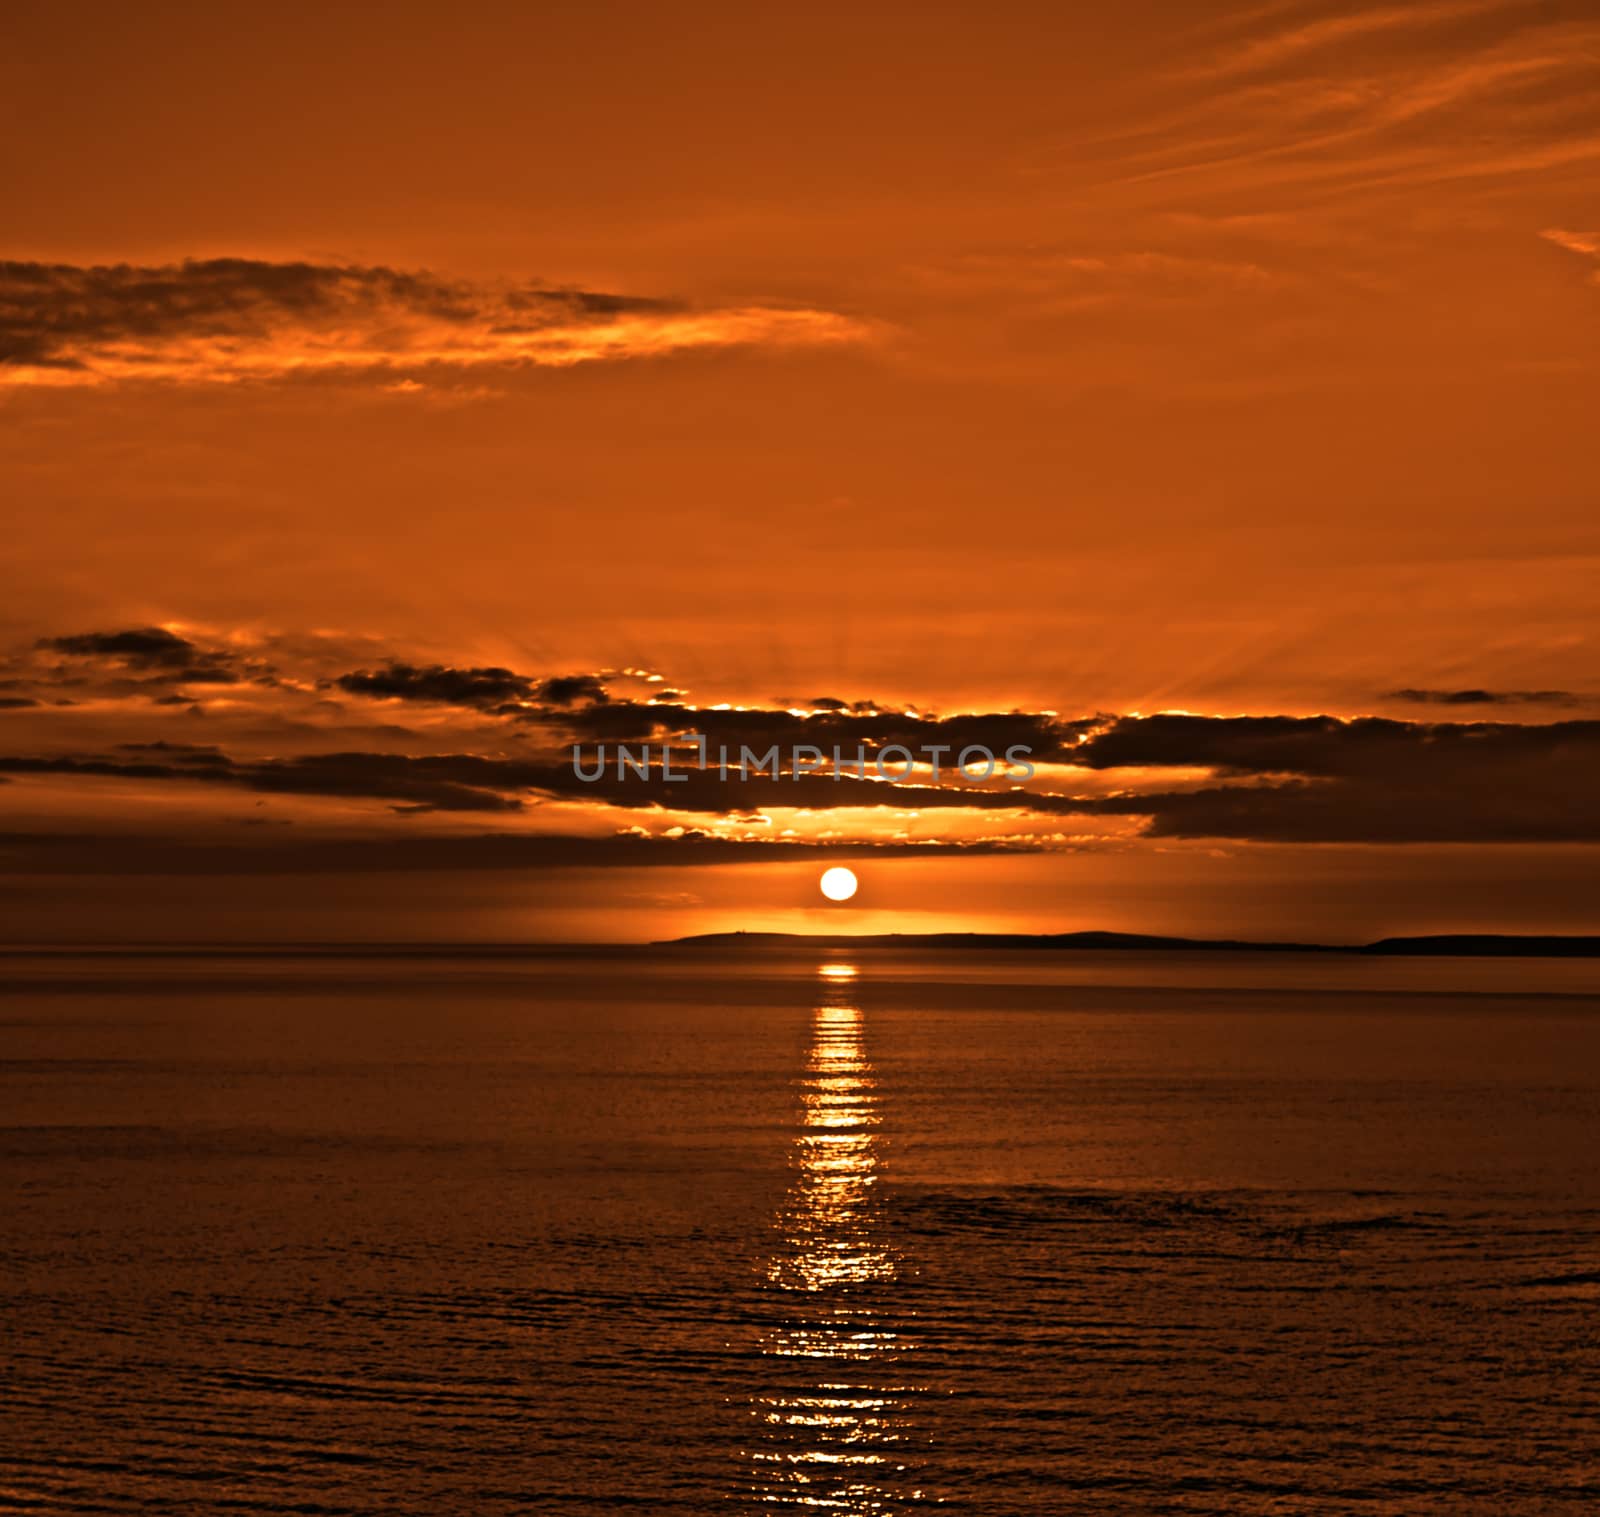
<point x="1011" y="1233"/>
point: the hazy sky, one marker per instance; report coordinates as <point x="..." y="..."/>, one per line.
<point x="389" y="398"/>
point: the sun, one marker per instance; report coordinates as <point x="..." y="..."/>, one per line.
<point x="838" y="883"/>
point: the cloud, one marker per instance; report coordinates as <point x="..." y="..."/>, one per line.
<point x="1069" y="279"/>
<point x="155" y="651"/>
<point x="1324" y="780"/>
<point x="450" y="782"/>
<point x="926" y="736"/>
<point x="224" y="320"/>
<point x="1378" y="96"/>
<point x="1484" y="697"/>
<point x="1584" y="244"/>
<point x="1337" y="29"/>
<point x="1317" y="745"/>
<point x="488" y="689"/>
<point x="1275" y="779"/>
<point x="565" y="689"/>
<point x="1405" y="809"/>
<point x="141" y="648"/>
<point x="500" y="743"/>
<point x="191" y="753"/>
<point x="461" y="782"/>
<point x="580" y="708"/>
<point x="440" y="683"/>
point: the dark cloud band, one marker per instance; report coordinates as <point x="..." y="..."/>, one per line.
<point x="508" y="739"/>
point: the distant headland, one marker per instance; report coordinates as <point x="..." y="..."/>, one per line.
<point x="1479" y="945"/>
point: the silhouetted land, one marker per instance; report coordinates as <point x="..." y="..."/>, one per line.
<point x="1489" y="945"/>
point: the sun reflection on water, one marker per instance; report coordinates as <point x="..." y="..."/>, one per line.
<point x="835" y="1427"/>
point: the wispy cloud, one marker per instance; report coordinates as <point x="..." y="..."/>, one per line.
<point x="1385" y="95"/>
<point x="1271" y="49"/>
<point x="227" y="320"/>
<point x="1586" y="244"/>
<point x="1064" y="278"/>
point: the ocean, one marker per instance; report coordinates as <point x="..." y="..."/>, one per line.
<point x="676" y="1231"/>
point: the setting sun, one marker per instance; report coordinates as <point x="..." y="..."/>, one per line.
<point x="838" y="883"/>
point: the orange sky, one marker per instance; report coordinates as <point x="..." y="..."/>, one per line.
<point x="1096" y="363"/>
